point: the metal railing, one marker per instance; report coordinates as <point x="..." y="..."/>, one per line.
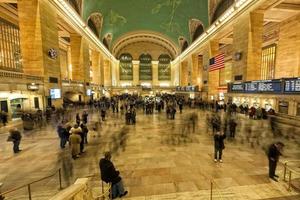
<point x="288" y="170"/>
<point x="28" y="185"/>
<point x="105" y="192"/>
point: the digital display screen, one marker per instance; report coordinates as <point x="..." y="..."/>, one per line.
<point x="273" y="86"/>
<point x="55" y="93"/>
<point x="237" y="87"/>
<point x="292" y="85"/>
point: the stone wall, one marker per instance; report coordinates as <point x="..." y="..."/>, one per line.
<point x="288" y="49"/>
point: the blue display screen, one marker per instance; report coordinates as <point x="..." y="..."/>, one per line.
<point x="292" y="85"/>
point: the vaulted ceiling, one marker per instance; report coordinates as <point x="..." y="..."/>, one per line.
<point x="169" y="18"/>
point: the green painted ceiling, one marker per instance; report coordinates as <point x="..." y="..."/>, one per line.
<point x="168" y="17"/>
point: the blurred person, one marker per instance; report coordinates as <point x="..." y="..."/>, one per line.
<point x="15" y="137"/>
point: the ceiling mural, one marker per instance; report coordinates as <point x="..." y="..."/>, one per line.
<point x="167" y="17"/>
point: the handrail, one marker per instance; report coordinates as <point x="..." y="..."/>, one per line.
<point x="286" y="167"/>
<point x="104" y="192"/>
<point x="28" y="184"/>
<point x="212" y="182"/>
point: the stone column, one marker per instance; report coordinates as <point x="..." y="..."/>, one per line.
<point x="107" y="72"/>
<point x="184" y="73"/>
<point x="39" y="34"/>
<point x="96" y="67"/>
<point x="80" y="58"/>
<point x="155" y="81"/>
<point x="195" y="70"/>
<point x="247" y="40"/>
<point x="136" y="78"/>
<point x="101" y="70"/>
<point x="213" y="77"/>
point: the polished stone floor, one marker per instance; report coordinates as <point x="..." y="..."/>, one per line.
<point x="157" y="158"/>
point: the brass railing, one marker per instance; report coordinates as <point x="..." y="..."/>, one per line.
<point x="28" y="185"/>
<point x="104" y="192"/>
<point x="288" y="170"/>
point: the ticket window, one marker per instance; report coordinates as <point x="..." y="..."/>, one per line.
<point x="283" y="107"/>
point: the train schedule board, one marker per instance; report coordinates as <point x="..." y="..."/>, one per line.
<point x="265" y="86"/>
<point x="292" y="85"/>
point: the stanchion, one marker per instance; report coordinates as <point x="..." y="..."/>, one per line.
<point x="211" y="189"/>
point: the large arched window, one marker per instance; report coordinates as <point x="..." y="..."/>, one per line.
<point x="126" y="67"/>
<point x="220" y="9"/>
<point x="164" y="67"/>
<point x="105" y="43"/>
<point x="196" y="28"/>
<point x="145" y="70"/>
<point x="95" y="21"/>
<point x="185" y="45"/>
<point x="77" y="5"/>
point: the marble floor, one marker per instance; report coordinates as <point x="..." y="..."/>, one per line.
<point x="157" y="158"/>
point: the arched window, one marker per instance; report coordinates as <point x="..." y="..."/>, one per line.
<point x="145" y="69"/>
<point x="93" y="27"/>
<point x="105" y="43"/>
<point x="185" y="45"/>
<point x="126" y="67"/>
<point x="196" y="28"/>
<point x="77" y="5"/>
<point x="199" y="30"/>
<point x="220" y="9"/>
<point x="95" y="21"/>
<point x="164" y="67"/>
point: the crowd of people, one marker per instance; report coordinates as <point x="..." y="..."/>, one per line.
<point x="74" y="130"/>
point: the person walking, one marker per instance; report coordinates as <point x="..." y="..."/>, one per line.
<point x="85" y="117"/>
<point x="110" y="175"/>
<point x="219" y="145"/>
<point x="274" y="152"/>
<point x="63" y="135"/>
<point x="15" y="137"/>
<point x="77" y="119"/>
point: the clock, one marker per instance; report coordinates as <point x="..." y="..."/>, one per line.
<point x="52" y="53"/>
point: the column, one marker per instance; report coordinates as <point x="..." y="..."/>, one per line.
<point x="195" y="71"/>
<point x="184" y="73"/>
<point x="80" y="58"/>
<point x="247" y="40"/>
<point x="155" y="81"/>
<point x="107" y="72"/>
<point x="96" y="67"/>
<point x="136" y="78"/>
<point x="213" y="77"/>
<point x="39" y="34"/>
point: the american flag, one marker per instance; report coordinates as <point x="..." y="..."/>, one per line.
<point x="216" y="62"/>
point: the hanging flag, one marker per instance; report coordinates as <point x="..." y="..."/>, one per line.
<point x="216" y="62"/>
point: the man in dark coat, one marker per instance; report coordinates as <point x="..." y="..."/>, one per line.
<point x="15" y="137"/>
<point x="273" y="156"/>
<point x="110" y="175"/>
<point x="219" y="145"/>
<point x="232" y="127"/>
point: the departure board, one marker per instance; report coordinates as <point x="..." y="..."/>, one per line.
<point x="292" y="85"/>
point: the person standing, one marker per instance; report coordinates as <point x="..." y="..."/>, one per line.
<point x="77" y="119"/>
<point x="273" y="156"/>
<point x="75" y="141"/>
<point x="232" y="127"/>
<point x="219" y="145"/>
<point x="85" y="117"/>
<point x="62" y="133"/>
<point x="110" y="175"/>
<point x="15" y="137"/>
